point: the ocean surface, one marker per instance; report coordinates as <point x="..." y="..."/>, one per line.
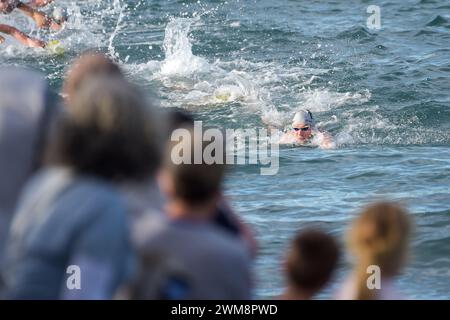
<point x="383" y="94"/>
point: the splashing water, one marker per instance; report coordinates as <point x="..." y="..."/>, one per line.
<point x="191" y="81"/>
<point x="180" y="60"/>
<point x="117" y="7"/>
<point x="264" y="92"/>
<point x="384" y="98"/>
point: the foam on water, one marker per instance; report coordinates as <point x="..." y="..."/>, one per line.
<point x="80" y="32"/>
<point x="319" y="100"/>
<point x="191" y="81"/>
<point x="267" y="92"/>
<point x="178" y="49"/>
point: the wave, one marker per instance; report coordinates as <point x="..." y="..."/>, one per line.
<point x="438" y="21"/>
<point x="81" y="32"/>
<point x="357" y="33"/>
<point x="272" y="92"/>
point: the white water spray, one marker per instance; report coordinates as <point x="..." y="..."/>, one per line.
<point x="120" y="9"/>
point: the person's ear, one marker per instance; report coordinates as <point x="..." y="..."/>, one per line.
<point x="166" y="183"/>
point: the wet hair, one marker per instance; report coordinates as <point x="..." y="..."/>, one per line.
<point x="379" y="236"/>
<point x="311" y="260"/>
<point x="89" y="64"/>
<point x="310" y="114"/>
<point x="195" y="183"/>
<point x="180" y="118"/>
<point x="109" y="130"/>
<point x="8" y="6"/>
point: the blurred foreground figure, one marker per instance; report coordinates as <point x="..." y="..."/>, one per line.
<point x="189" y="257"/>
<point x="72" y="214"/>
<point x="310" y="263"/>
<point x="225" y="217"/>
<point x="25" y="122"/>
<point x="379" y="240"/>
<point x="142" y="194"/>
<point x="89" y="64"/>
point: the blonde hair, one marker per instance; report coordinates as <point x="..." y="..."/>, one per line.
<point x="379" y="236"/>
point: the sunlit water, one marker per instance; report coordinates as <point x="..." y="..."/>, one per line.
<point x="383" y="95"/>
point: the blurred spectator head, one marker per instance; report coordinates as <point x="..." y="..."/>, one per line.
<point x="89" y="64"/>
<point x="196" y="183"/>
<point x="311" y="260"/>
<point x="109" y="130"/>
<point x="179" y="118"/>
<point x="379" y="236"/>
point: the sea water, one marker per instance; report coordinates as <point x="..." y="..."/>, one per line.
<point x="384" y="94"/>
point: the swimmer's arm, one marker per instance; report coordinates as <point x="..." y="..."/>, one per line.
<point x="287" y="138"/>
<point x="41" y="19"/>
<point x="284" y="139"/>
<point x="327" y="140"/>
<point x="39" y="3"/>
<point x="21" y="37"/>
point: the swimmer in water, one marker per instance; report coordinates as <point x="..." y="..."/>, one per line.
<point x="21" y="37"/>
<point x="39" y="3"/>
<point x="304" y="131"/>
<point x="41" y="20"/>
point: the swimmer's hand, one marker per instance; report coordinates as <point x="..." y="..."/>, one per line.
<point x="35" y="43"/>
<point x="45" y="22"/>
<point x="41" y="19"/>
<point x="328" y="145"/>
<point x="2" y="39"/>
<point x="325" y="140"/>
<point x="288" y="138"/>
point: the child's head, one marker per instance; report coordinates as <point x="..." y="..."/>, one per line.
<point x="311" y="260"/>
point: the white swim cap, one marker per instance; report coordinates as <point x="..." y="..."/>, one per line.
<point x="60" y="14"/>
<point x="303" y="117"/>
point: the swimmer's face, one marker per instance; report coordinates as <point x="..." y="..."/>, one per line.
<point x="302" y="131"/>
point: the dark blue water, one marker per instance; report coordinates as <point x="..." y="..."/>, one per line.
<point x="384" y="95"/>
